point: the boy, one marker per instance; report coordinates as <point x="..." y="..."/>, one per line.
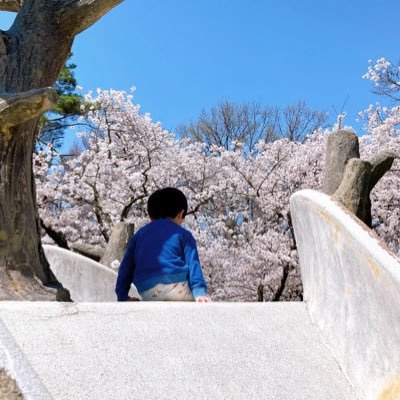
<point x="161" y="258"/>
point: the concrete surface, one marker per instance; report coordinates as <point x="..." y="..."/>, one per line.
<point x="86" y="279"/>
<point x="352" y="290"/>
<point x="14" y="362"/>
<point x="148" y="351"/>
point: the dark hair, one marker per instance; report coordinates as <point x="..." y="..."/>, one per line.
<point x="167" y="202"/>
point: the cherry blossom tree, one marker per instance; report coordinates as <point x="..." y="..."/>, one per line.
<point x="239" y="200"/>
<point x="384" y="124"/>
<point x="384" y="127"/>
<point x="385" y="77"/>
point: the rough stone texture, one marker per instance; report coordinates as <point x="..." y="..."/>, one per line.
<point x="381" y="163"/>
<point x="86" y="279"/>
<point x="8" y="388"/>
<point x="349" y="179"/>
<point x="341" y="147"/>
<point x="353" y="192"/>
<point x="359" y="178"/>
<point x="120" y="236"/>
<point x="352" y="289"/>
<point x="88" y="250"/>
<point x="176" y="351"/>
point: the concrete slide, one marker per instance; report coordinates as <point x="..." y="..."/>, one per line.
<point x="169" y="351"/>
<point x="341" y="343"/>
<point x="86" y="280"/>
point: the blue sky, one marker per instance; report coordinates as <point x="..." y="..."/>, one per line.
<point x="185" y="55"/>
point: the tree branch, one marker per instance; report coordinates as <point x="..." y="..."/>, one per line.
<point x="285" y="273"/>
<point x="16" y="108"/>
<point x="10" y="5"/>
<point x="81" y="14"/>
<point x="58" y="237"/>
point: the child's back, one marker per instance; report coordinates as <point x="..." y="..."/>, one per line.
<point x="161" y="253"/>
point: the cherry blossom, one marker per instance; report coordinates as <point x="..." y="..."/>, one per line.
<point x="238" y="201"/>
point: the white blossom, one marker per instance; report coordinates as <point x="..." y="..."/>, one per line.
<point x="238" y="202"/>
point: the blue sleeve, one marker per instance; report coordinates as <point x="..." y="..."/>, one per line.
<point x="196" y="280"/>
<point x="125" y="273"/>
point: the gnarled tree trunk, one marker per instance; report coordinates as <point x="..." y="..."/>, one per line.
<point x="32" y="53"/>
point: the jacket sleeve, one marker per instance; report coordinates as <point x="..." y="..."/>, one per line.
<point x="125" y="273"/>
<point x="196" y="280"/>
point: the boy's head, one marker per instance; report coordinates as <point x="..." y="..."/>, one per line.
<point x="167" y="203"/>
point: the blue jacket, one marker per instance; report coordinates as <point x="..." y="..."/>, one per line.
<point x="160" y="252"/>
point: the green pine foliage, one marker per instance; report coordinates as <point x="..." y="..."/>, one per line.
<point x="71" y="105"/>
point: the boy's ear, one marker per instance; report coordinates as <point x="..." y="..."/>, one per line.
<point x="179" y="216"/>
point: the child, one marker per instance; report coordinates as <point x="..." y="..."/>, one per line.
<point x="161" y="258"/>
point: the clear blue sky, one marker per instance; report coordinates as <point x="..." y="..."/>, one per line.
<point x="186" y="55"/>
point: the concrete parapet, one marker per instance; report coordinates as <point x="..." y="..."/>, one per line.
<point x="86" y="279"/>
<point x="352" y="289"/>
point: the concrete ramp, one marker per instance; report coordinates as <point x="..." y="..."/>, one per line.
<point x="148" y="351"/>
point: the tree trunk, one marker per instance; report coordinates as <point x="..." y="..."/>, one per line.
<point x="22" y="260"/>
<point x="32" y="54"/>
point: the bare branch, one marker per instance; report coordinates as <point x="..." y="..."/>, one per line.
<point x="16" y="108"/>
<point x="230" y="122"/>
<point x="81" y="14"/>
<point x="58" y="237"/>
<point x="10" y="5"/>
<point x="300" y="121"/>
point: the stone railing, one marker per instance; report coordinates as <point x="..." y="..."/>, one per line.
<point x="352" y="290"/>
<point x="85" y="279"/>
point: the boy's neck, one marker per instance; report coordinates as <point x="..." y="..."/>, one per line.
<point x="177" y="220"/>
